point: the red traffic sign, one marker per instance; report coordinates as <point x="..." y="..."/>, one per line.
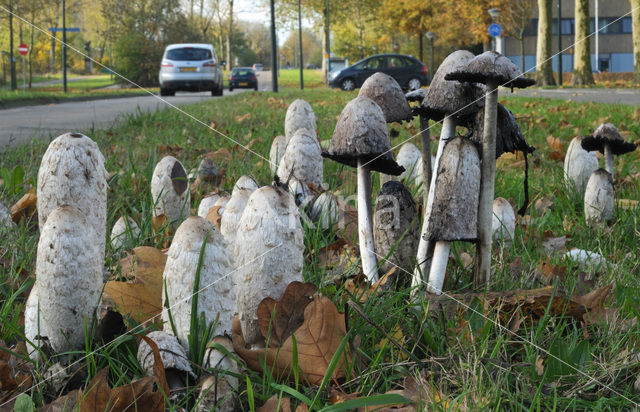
<point x="23" y="49"/>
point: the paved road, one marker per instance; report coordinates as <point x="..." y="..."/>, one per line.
<point x="46" y="121"/>
<point x="621" y="96"/>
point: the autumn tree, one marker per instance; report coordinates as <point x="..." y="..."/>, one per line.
<point x="582" y="57"/>
<point x="544" y="72"/>
<point x="635" y="30"/>
<point x="516" y="20"/>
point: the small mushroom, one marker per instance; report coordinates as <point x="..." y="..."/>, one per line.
<point x="208" y="174"/>
<point x="410" y="157"/>
<point x="72" y="173"/>
<point x="170" y="191"/>
<point x="361" y="139"/>
<point x="301" y="192"/>
<point x="599" y="198"/>
<point x="278" y="147"/>
<point x="215" y="289"/>
<point x="325" y="210"/>
<point x="222" y="203"/>
<point x="217" y="390"/>
<point x="5" y="217"/>
<point x="396" y="228"/>
<point x="607" y="140"/>
<point x="69" y="279"/>
<point x="207" y="203"/>
<point x="299" y="116"/>
<point x="302" y="159"/>
<point x="579" y="164"/>
<point x="386" y="92"/>
<point x="174" y="359"/>
<point x="272" y="254"/>
<point x="492" y="69"/>
<point x="504" y="221"/>
<point x="234" y="208"/>
<point x="124" y="234"/>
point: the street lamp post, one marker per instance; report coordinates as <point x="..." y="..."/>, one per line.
<point x="430" y="36"/>
<point x="560" y="42"/>
<point x="494" y="13"/>
<point x="300" y="41"/>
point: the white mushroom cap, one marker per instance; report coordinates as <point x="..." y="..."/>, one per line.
<point x="245" y="182"/>
<point x="301" y="192"/>
<point x="72" y="173"/>
<point x="173" y="355"/>
<point x="215" y="297"/>
<point x="5" y="216"/>
<point x="410" y="157"/>
<point x="170" y="191"/>
<point x="579" y="164"/>
<point x="234" y="208"/>
<point x="299" y="115"/>
<point x="302" y="159"/>
<point x="325" y="210"/>
<point x="222" y="203"/>
<point x="504" y="221"/>
<point x="69" y="276"/>
<point x="124" y="234"/>
<point x="272" y="253"/>
<point x="207" y="203"/>
<point x="217" y="359"/>
<point x="217" y="390"/>
<point x="599" y="198"/>
<point x="278" y="147"/>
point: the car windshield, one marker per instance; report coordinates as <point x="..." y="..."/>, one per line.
<point x="242" y="72"/>
<point x="189" y="53"/>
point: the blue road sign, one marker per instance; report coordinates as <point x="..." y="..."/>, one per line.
<point x="54" y="29"/>
<point x="495" y="30"/>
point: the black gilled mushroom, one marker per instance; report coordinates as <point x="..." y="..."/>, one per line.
<point x="361" y="139"/>
<point x="607" y="140"/>
<point x="386" y="92"/>
<point x="492" y="69"/>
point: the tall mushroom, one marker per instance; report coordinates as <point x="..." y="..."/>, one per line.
<point x="361" y="139"/>
<point x="271" y="256"/>
<point x="302" y="159"/>
<point x="599" y="198"/>
<point x="492" y="69"/>
<point x="607" y="140"/>
<point x="278" y="147"/>
<point x="214" y="292"/>
<point x="299" y="116"/>
<point x="235" y="207"/>
<point x="579" y="164"/>
<point x="72" y="173"/>
<point x="170" y="191"/>
<point x="454" y="103"/>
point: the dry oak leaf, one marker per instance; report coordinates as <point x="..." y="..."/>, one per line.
<point x="25" y="207"/>
<point x="317" y="341"/>
<point x="141" y="296"/>
<point x="214" y="216"/>
<point x="280" y="319"/>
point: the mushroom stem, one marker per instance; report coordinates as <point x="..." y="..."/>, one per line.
<point x="426" y="158"/>
<point x="487" y="186"/>
<point x="365" y="223"/>
<point x="608" y="159"/>
<point x="384" y="178"/>
<point x="423" y="259"/>
<point x="438" y="266"/>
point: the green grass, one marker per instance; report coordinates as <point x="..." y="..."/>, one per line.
<point x="470" y="360"/>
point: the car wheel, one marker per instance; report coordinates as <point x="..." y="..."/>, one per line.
<point x="256" y="88"/>
<point x="165" y="92"/>
<point x="230" y="89"/>
<point x="348" y="84"/>
<point x="414" y="84"/>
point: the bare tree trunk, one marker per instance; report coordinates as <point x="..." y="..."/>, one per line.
<point x="635" y="29"/>
<point x="544" y="72"/>
<point x="582" y="57"/>
<point x="522" y="52"/>
<point x="229" y="35"/>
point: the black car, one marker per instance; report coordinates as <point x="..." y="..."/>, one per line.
<point x="243" y="78"/>
<point x="410" y="73"/>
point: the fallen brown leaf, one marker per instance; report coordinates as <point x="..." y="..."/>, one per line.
<point x="547" y="272"/>
<point x="543" y="205"/>
<point x="361" y="289"/>
<point x="141" y="296"/>
<point x="221" y="155"/>
<point x="25" y="207"/>
<point x="555" y="244"/>
<point x="214" y="216"/>
<point x="276" y="404"/>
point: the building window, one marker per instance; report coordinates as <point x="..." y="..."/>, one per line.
<point x="566" y="26"/>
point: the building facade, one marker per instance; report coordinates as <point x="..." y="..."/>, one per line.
<point x="611" y="49"/>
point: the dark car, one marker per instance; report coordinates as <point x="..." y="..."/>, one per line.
<point x="243" y="78"/>
<point x="410" y="73"/>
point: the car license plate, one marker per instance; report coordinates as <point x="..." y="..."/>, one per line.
<point x="188" y="69"/>
<point x="243" y="84"/>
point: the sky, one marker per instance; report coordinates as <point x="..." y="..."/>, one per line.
<point x="258" y="11"/>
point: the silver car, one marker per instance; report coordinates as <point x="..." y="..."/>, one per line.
<point x="190" y="67"/>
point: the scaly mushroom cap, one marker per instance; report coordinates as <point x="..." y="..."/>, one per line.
<point x="301" y="192"/>
<point x="599" y="198"/>
<point x="173" y="355"/>
<point x="455" y="205"/>
<point x="491" y="66"/>
<point x="452" y="98"/>
<point x="607" y="133"/>
<point x="170" y="191"/>
<point x="299" y="116"/>
<point x="72" y="173"/>
<point x="509" y="137"/>
<point x="361" y="133"/>
<point x="396" y="227"/>
<point x="245" y="182"/>
<point x="69" y="276"/>
<point x="278" y="147"/>
<point x="271" y="256"/>
<point x="302" y="159"/>
<point x="124" y="234"/>
<point x="222" y="203"/>
<point x="325" y="210"/>
<point x="215" y="297"/>
<point x="234" y="208"/>
<point x="207" y="203"/>
<point x="579" y="164"/>
<point x="504" y="221"/>
<point x="410" y="157"/>
<point x="386" y="92"/>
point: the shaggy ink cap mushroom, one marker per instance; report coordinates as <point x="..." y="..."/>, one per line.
<point x="386" y="92"/>
<point x="325" y="210"/>
<point x="278" y="147"/>
<point x="302" y="159"/>
<point x="207" y="203"/>
<point x="234" y="208"/>
<point x="124" y="234"/>
<point x="173" y="355"/>
<point x="491" y="66"/>
<point x="509" y="137"/>
<point x="599" y="198"/>
<point x="607" y="134"/>
<point x="361" y="134"/>
<point x="579" y="164"/>
<point x="170" y="191"/>
<point x="299" y="116"/>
